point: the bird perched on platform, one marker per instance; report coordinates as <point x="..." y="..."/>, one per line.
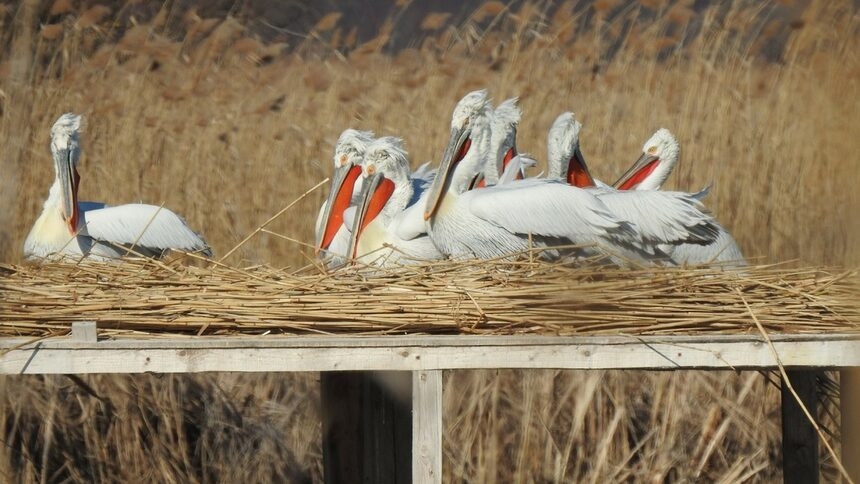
<point x="506" y="219"/>
<point x="73" y="229"/>
<point x="332" y="235"/>
<point x="384" y="231"/>
<point x="633" y="193"/>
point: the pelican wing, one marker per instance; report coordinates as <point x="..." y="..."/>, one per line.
<point x="662" y="217"/>
<point x="148" y="227"/>
<point x="409" y="224"/>
<point x="701" y="194"/>
<point x="547" y="208"/>
<point x="424" y="173"/>
<point x="87" y="206"/>
<point x="516" y="166"/>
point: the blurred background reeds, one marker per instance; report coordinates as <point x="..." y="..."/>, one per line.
<point x="227" y="111"/>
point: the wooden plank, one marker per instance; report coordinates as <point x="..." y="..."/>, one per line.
<point x="279" y="341"/>
<point x="367" y="426"/>
<point x="799" y="438"/>
<point x="427" y="427"/>
<point x="849" y="403"/>
<point x="85" y="332"/>
<point x="339" y="396"/>
<point x="192" y="355"/>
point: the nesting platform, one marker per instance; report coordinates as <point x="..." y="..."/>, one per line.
<point x="405" y="327"/>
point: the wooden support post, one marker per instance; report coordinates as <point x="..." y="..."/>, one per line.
<point x="799" y="438"/>
<point x="427" y="427"/>
<point x="849" y="395"/>
<point x="85" y="332"/>
<point x="367" y="426"/>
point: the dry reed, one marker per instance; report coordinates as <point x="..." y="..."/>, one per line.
<point x="224" y="125"/>
<point x="496" y="297"/>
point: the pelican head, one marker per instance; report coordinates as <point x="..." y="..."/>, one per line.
<point x="351" y="145"/>
<point x="659" y="156"/>
<point x="66" y="150"/>
<point x="503" y="141"/>
<point x="465" y="155"/>
<point x="563" y="154"/>
<point x="386" y="189"/>
<point x="348" y="154"/>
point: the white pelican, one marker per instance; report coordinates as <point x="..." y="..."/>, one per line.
<point x="386" y="193"/>
<point x="648" y="173"/>
<point x="658" y="159"/>
<point x="564" y="159"/>
<point x="68" y="228"/>
<point x="503" y="163"/>
<point x="332" y="236"/>
<point x="505" y="219"/>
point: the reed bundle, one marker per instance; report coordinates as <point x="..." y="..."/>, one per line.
<point x="143" y="298"/>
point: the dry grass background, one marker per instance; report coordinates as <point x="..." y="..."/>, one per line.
<point x="226" y="129"/>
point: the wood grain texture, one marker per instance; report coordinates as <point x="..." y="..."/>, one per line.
<point x="799" y="438"/>
<point x="849" y="395"/>
<point x="367" y="426"/>
<point x="427" y="427"/>
<point x="413" y="353"/>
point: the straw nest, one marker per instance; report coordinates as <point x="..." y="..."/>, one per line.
<point x="152" y="298"/>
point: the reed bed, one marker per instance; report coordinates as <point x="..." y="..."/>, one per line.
<point x="523" y="296"/>
<point x="197" y="110"/>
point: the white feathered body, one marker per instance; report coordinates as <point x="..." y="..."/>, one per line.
<point x="105" y="232"/>
<point x="533" y="213"/>
<point x="403" y="238"/>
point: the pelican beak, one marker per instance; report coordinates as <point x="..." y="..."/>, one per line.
<point x="638" y="172"/>
<point x="458" y="145"/>
<point x="510" y="155"/>
<point x="578" y="174"/>
<point x="339" y="197"/>
<point x="375" y="192"/>
<point x="69" y="179"/>
<point x="478" y="182"/>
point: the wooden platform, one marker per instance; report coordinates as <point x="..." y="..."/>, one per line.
<point x="421" y="359"/>
<point x="85" y="354"/>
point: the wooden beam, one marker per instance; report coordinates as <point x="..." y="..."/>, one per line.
<point x="367" y="426"/>
<point x="413" y="353"/>
<point x="799" y="438"/>
<point x="849" y="402"/>
<point x="427" y="427"/>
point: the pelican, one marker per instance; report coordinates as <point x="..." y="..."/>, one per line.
<point x="332" y="236"/>
<point x="653" y="167"/>
<point x="387" y="191"/>
<point x="506" y="219"/>
<point x="504" y="163"/>
<point x="564" y="159"/>
<point x="68" y="228"/>
<point x="648" y="173"/>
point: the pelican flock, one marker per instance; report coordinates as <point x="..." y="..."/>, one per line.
<point x="659" y="156"/>
<point x="478" y="203"/>
<point x="67" y="228"/>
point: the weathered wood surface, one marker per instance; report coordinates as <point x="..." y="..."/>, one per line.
<point x="367" y="426"/>
<point x="427" y="427"/>
<point x="799" y="438"/>
<point x="413" y="353"/>
<point x="849" y="400"/>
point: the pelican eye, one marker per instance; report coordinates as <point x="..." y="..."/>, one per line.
<point x="371" y="169"/>
<point x="652" y="150"/>
<point x="343" y="159"/>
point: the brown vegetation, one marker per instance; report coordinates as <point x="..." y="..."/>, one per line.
<point x="226" y="127"/>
